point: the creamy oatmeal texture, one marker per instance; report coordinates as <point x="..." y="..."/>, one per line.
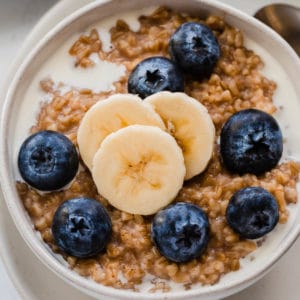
<point x="236" y="83"/>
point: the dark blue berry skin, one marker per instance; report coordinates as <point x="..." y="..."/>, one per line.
<point x="48" y="160"/>
<point x="155" y="74"/>
<point x="180" y="232"/>
<point x="81" y="227"/>
<point x="251" y="142"/>
<point x="195" y="49"/>
<point x="252" y="212"/>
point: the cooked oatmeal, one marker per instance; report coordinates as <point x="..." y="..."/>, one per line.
<point x="236" y="84"/>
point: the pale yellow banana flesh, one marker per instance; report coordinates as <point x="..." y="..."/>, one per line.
<point x="190" y="124"/>
<point x="139" y="169"/>
<point x="110" y="115"/>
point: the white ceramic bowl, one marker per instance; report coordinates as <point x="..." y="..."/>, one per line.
<point x="266" y="256"/>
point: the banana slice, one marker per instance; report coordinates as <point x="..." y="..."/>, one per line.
<point x="190" y="124"/>
<point x="112" y="114"/>
<point x="139" y="169"/>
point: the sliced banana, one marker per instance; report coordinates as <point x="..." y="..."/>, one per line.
<point x="139" y="169"/>
<point x="110" y="115"/>
<point x="190" y="124"/>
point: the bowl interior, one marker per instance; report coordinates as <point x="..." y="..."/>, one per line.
<point x="282" y="65"/>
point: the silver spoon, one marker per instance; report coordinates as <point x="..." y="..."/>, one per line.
<point x="285" y="19"/>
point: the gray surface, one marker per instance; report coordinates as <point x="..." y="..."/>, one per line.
<point x="16" y="19"/>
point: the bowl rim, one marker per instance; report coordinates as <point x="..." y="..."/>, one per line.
<point x="37" y="245"/>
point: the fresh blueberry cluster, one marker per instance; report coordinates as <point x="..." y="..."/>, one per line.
<point x="82" y="227"/>
<point x="251" y="142"/>
<point x="48" y="161"/>
<point x="193" y="49"/>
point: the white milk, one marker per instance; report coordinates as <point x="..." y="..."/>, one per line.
<point x="60" y="68"/>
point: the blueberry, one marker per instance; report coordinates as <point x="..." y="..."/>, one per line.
<point x="155" y="74"/>
<point x="251" y="142"/>
<point x="81" y="227"/>
<point x="195" y="49"/>
<point x="252" y="212"/>
<point x="180" y="231"/>
<point x="48" y="160"/>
